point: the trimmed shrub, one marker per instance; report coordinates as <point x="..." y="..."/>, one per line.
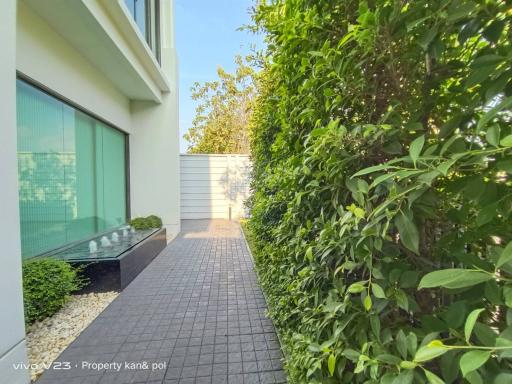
<point x="149" y="222"/>
<point x="154" y="221"/>
<point x="382" y="205"/>
<point x="47" y="284"/>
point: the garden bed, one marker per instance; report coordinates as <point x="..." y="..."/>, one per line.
<point x="47" y="339"/>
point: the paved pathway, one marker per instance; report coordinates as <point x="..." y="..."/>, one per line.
<point x="196" y="315"/>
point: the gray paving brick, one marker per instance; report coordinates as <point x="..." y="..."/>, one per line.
<point x="197" y="310"/>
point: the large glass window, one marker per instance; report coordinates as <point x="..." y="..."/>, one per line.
<point x="146" y="14"/>
<point x="72" y="173"/>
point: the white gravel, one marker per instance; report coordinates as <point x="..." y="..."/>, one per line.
<point x="48" y="338"/>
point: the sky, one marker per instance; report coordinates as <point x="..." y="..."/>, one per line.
<point x="207" y="37"/>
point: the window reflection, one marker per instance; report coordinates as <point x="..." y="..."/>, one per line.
<point x="71" y="171"/>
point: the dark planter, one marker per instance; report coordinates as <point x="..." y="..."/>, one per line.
<point x="114" y="274"/>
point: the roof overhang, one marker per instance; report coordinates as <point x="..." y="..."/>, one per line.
<point x="105" y="34"/>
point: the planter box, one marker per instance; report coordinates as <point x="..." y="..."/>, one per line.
<point x="114" y="274"/>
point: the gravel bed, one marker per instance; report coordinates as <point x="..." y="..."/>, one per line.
<point x="48" y="338"/>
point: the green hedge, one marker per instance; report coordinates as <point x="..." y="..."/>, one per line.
<point x="149" y="222"/>
<point x="381" y="214"/>
<point x="47" y="284"/>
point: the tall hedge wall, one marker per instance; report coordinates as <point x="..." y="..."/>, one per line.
<point x="382" y="199"/>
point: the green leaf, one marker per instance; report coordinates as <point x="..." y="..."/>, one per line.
<point x="479" y="75"/>
<point x="505" y="165"/>
<point x="408" y="364"/>
<point x="503" y="378"/>
<point x="487" y="214"/>
<point x="401" y="344"/>
<point x="389" y="359"/>
<point x="459" y="10"/>
<point x="427" y="38"/>
<point x="356" y="287"/>
<point x="507" y="295"/>
<point x="470" y="323"/>
<point x="473" y="360"/>
<point x="506" y="141"/>
<point x="309" y="254"/>
<point x="405" y="377"/>
<point x="378" y="292"/>
<point x="484" y="334"/>
<point x="474" y="378"/>
<point x="380" y="179"/>
<point x="416" y="147"/>
<point x="412" y="343"/>
<point x="331" y="364"/>
<point x="409" y="235"/>
<point x="367" y="303"/>
<point x="505" y="104"/>
<point x="375" y="325"/>
<point x="449" y="364"/>
<point x="429" y="352"/>
<point x="445" y="166"/>
<point x="351" y="354"/>
<point x="433" y="378"/>
<point x="505" y="256"/>
<point x="494" y="30"/>
<point x="486" y="60"/>
<point x="375" y="168"/>
<point x="454" y="278"/>
<point x="493" y="135"/>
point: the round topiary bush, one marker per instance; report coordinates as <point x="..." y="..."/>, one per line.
<point x="149" y="222"/>
<point x="154" y="221"/>
<point x="47" y="284"/>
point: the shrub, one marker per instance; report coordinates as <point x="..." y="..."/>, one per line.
<point x="47" y="284"/>
<point x="154" y="221"/>
<point x="382" y="206"/>
<point x="149" y="222"/>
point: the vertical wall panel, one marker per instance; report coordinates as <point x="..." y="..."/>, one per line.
<point x="214" y="185"/>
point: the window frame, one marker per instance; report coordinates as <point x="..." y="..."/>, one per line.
<point x="151" y="19"/>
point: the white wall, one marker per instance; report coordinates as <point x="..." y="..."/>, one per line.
<point x="12" y="325"/>
<point x="214" y="185"/>
<point x="47" y="57"/>
<point x="154" y="143"/>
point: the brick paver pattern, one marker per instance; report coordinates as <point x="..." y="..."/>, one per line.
<point x="196" y="314"/>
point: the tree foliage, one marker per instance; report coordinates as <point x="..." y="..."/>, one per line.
<point x="381" y="214"/>
<point x="222" y="116"/>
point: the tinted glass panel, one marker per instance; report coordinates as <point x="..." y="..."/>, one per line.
<point x="138" y="9"/>
<point x="146" y="14"/>
<point x="72" y="175"/>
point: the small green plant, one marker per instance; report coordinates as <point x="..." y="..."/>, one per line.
<point x="154" y="221"/>
<point x="149" y="222"/>
<point x="47" y="284"/>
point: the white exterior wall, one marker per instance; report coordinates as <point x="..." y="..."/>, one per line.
<point x="46" y="56"/>
<point x="154" y="144"/>
<point x="137" y="96"/>
<point x="12" y="324"/>
<point x="214" y="186"/>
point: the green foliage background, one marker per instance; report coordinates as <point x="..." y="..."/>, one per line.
<point x="224" y="109"/>
<point x="47" y="284"/>
<point x="381" y="141"/>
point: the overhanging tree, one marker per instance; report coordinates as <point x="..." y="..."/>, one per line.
<point x="223" y="112"/>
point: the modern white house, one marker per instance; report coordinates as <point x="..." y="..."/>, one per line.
<point x="89" y="133"/>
